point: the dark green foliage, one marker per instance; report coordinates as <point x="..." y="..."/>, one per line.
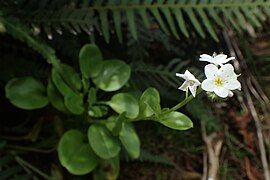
<point x="22" y="33"/>
<point x="152" y="33"/>
<point x="146" y="156"/>
<point x="162" y="76"/>
<point x="172" y="16"/>
<point x="202" y="111"/>
<point x="10" y="168"/>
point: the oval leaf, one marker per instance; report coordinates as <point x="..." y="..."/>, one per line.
<point x="150" y="102"/>
<point x="70" y="76"/>
<point x="92" y="96"/>
<point x="75" y="155"/>
<point x="102" y="142"/>
<point x="130" y="140"/>
<point x="26" y="93"/>
<point x="60" y="84"/>
<point x="98" y="111"/>
<point x="113" y="75"/>
<point x="56" y="98"/>
<point x="90" y="60"/>
<point x="124" y="102"/>
<point x="74" y="103"/>
<point x="176" y="120"/>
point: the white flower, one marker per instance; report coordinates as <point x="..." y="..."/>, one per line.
<point x="220" y="81"/>
<point x="190" y="83"/>
<point x="219" y="59"/>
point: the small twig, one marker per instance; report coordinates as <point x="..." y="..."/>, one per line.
<point x="259" y="133"/>
<point x="47" y="151"/>
<point x="213" y="151"/>
<point x="24" y="163"/>
<point x="14" y="138"/>
<point x="204" y="177"/>
<point x="234" y="49"/>
<point x="259" y="89"/>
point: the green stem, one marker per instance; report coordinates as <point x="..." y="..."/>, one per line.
<point x="33" y="168"/>
<point x="22" y="33"/>
<point x="30" y="149"/>
<point x="182" y="103"/>
<point x="85" y="84"/>
<point x="14" y="138"/>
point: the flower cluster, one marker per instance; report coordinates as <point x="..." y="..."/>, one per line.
<point x="220" y="77"/>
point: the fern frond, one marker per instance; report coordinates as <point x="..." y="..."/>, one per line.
<point x="162" y="77"/>
<point x="22" y="33"/>
<point x="201" y="111"/>
<point x="172" y="16"/>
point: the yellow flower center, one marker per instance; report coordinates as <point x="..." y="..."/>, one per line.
<point x="218" y="81"/>
<point x="191" y="82"/>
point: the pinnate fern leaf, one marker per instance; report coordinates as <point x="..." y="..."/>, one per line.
<point x="175" y="17"/>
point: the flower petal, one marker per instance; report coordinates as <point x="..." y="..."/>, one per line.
<point x="197" y="82"/>
<point x="232" y="84"/>
<point x="189" y="75"/>
<point x="227" y="60"/>
<point x="208" y="85"/>
<point x="230" y="94"/>
<point x="220" y="58"/>
<point x="221" y="92"/>
<point x="206" y="57"/>
<point x="227" y="71"/>
<point x="184" y="86"/>
<point x="181" y="76"/>
<point x="210" y="70"/>
<point x="193" y="90"/>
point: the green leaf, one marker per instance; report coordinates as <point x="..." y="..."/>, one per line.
<point x="26" y="93"/>
<point x="103" y="143"/>
<point x="194" y="21"/>
<point x="111" y="122"/>
<point x="63" y="88"/>
<point x="157" y="16"/>
<point x="98" y="111"/>
<point x="251" y="16"/>
<point x="124" y="102"/>
<point x="207" y="23"/>
<point x="180" y="21"/>
<point x="92" y="96"/>
<point x="176" y="120"/>
<point x="240" y="17"/>
<point x="169" y="17"/>
<point x="130" y="139"/>
<point x="56" y="98"/>
<point x="2" y="27"/>
<point x="150" y="102"/>
<point x="70" y="76"/>
<point x="118" y="124"/>
<point x="74" y="103"/>
<point x="215" y="17"/>
<point x="90" y="60"/>
<point x="75" y="155"/>
<point x="113" y="75"/>
<point x="143" y="14"/>
<point x="105" y="24"/>
<point x="117" y="24"/>
<point x="131" y="23"/>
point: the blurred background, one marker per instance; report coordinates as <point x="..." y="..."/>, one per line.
<point x="230" y="138"/>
